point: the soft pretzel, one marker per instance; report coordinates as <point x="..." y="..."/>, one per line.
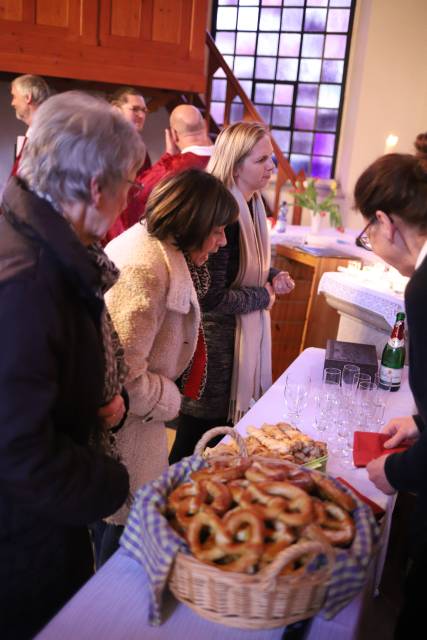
<point x="216" y="495"/>
<point x="202" y="534"/>
<point x="332" y="492"/>
<point x="298" y="509"/>
<point x="336" y="524"/>
<point x="185" y="501"/>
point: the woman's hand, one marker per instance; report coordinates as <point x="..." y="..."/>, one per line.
<point x="376" y="473"/>
<point x="272" y="296"/>
<point x="283" y="283"/>
<point x="400" y="429"/>
<point x="112" y="413"/>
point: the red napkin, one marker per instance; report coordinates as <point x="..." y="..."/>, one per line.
<point x="368" y="446"/>
<point x="376" y="509"/>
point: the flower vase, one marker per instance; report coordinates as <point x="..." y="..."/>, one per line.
<point x="315" y="223"/>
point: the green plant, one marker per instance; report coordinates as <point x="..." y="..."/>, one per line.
<point x="306" y="195"/>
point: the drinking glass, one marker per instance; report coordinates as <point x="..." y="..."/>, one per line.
<point x="361" y="377"/>
<point x="366" y="397"/>
<point x="348" y="375"/>
<point x="331" y="375"/>
<point x="296" y="397"/>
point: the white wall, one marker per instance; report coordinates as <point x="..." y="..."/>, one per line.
<point x="386" y="87"/>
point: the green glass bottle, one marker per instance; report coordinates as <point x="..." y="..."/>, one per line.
<point x="393" y="358"/>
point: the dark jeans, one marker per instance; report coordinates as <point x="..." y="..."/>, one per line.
<point x="412" y="615"/>
<point x="106" y="540"/>
<point x="189" y="432"/>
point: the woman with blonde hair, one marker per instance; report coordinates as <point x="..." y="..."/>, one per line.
<point x="236" y="308"/>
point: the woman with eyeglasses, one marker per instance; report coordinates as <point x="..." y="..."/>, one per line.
<point x="392" y="196"/>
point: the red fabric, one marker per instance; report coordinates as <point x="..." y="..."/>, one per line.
<point x="195" y="378"/>
<point x="369" y="446"/>
<point x="18" y="158"/>
<point x="376" y="509"/>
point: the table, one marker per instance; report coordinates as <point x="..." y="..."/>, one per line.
<point x="112" y="605"/>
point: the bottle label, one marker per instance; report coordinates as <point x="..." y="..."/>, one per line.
<point x="395" y="343"/>
<point x="390" y="376"/>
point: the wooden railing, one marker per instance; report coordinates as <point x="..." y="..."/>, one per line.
<point x="233" y="90"/>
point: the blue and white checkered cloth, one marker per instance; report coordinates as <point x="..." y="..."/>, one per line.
<point x="149" y="539"/>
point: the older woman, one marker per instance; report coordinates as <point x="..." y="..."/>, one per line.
<point x="243" y="286"/>
<point x="392" y="197"/>
<point x="155" y="309"/>
<point x="60" y="382"/>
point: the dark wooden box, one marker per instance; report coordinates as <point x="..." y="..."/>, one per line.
<point x="363" y="355"/>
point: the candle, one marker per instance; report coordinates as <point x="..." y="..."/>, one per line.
<point x="390" y="143"/>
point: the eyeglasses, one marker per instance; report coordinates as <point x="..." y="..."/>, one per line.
<point x="362" y="239"/>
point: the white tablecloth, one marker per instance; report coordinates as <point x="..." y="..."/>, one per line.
<point x="113" y="604"/>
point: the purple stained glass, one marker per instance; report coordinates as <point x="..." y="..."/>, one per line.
<point x="302" y="142"/>
<point x="220" y="73"/>
<point x="292" y="19"/>
<point x="225" y="40"/>
<point x="293" y="3"/>
<point x="265" y="112"/>
<point x="246" y="86"/>
<point x="309" y="70"/>
<point x="264" y="92"/>
<point x="245" y="43"/>
<point x="283" y="94"/>
<point x="327" y="119"/>
<point x="218" y="89"/>
<point x="307" y="95"/>
<point x="332" y="70"/>
<point x="335" y="46"/>
<point x="289" y="44"/>
<point x="267" y="44"/>
<point x="329" y="96"/>
<point x="282" y="116"/>
<point x="226" y="18"/>
<point x="248" y="19"/>
<point x="315" y="20"/>
<point x="270" y="19"/>
<point x="252" y="3"/>
<point x="317" y="3"/>
<point x="321" y="167"/>
<point x="283" y="139"/>
<point x="236" y="112"/>
<point x="217" y="112"/>
<point x="340" y="3"/>
<point x="271" y="3"/>
<point x="228" y="2"/>
<point x="243" y="66"/>
<point x="338" y="20"/>
<point x="299" y="162"/>
<point x="265" y="68"/>
<point x="324" y="144"/>
<point x="304" y="118"/>
<point x="229" y="60"/>
<point x="287" y="69"/>
<point x="312" y="45"/>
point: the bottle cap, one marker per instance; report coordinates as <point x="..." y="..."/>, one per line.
<point x="400" y="316"/>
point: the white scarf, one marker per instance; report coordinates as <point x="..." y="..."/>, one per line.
<point x="252" y="343"/>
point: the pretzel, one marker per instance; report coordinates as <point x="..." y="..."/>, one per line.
<point x="335" y="523"/>
<point x="332" y="492"/>
<point x="216" y="495"/>
<point x="222" y="471"/>
<point x="298" y="504"/>
<point x="245" y="530"/>
<point x="185" y="501"/>
<point x="202" y="533"/>
<point x="267" y="506"/>
<point x="261" y="471"/>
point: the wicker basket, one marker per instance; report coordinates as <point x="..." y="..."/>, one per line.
<point x="261" y="601"/>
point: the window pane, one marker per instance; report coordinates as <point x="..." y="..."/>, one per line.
<point x="226" y="18"/>
<point x="227" y="2"/>
<point x="289" y="44"/>
<point x="324" y="144"/>
<point x="317" y="3"/>
<point x="220" y="73"/>
<point x="327" y="120"/>
<point x="329" y="96"/>
<point x="270" y="20"/>
<point x="224" y="40"/>
<point x="315" y="20"/>
<point x="340" y="3"/>
<point x="321" y="167"/>
<point x="293" y="3"/>
<point x="245" y="43"/>
<point x="248" y="19"/>
<point x="217" y="112"/>
<point x="338" y="20"/>
<point x="307" y="95"/>
<point x="283" y="139"/>
<point x="283" y="94"/>
<point x="292" y="19"/>
<point x="266" y="68"/>
<point x="236" y="112"/>
<point x="243" y="66"/>
<point x="218" y="89"/>
<point x="282" y="116"/>
<point x="312" y="46"/>
<point x="302" y="142"/>
<point x="229" y="60"/>
<point x="271" y="3"/>
<point x="335" y="46"/>
<point x="287" y="69"/>
<point x="304" y="118"/>
<point x="264" y="92"/>
<point x="332" y="70"/>
<point x="246" y="86"/>
<point x="265" y="112"/>
<point x="309" y="70"/>
<point x="299" y="162"/>
<point x="267" y="44"/>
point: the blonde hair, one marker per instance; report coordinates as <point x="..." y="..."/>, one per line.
<point x="232" y="146"/>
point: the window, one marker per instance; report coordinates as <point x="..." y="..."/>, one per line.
<point x="290" y="57"/>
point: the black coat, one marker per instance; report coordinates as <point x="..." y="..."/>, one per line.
<point x="52" y="482"/>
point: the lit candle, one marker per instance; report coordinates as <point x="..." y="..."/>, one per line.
<point x="390" y="143"/>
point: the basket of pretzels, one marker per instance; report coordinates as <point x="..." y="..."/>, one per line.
<point x="263" y="536"/>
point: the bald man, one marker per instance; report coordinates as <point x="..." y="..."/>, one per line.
<point x="187" y="146"/>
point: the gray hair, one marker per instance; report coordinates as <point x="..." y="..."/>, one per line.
<point x="35" y="86"/>
<point x="76" y="137"/>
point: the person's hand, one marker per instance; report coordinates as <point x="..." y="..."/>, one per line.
<point x="283" y="283"/>
<point x="400" y="429"/>
<point x="170" y="146"/>
<point x="376" y="474"/>
<point x="112" y="412"/>
<point x="272" y="296"/>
